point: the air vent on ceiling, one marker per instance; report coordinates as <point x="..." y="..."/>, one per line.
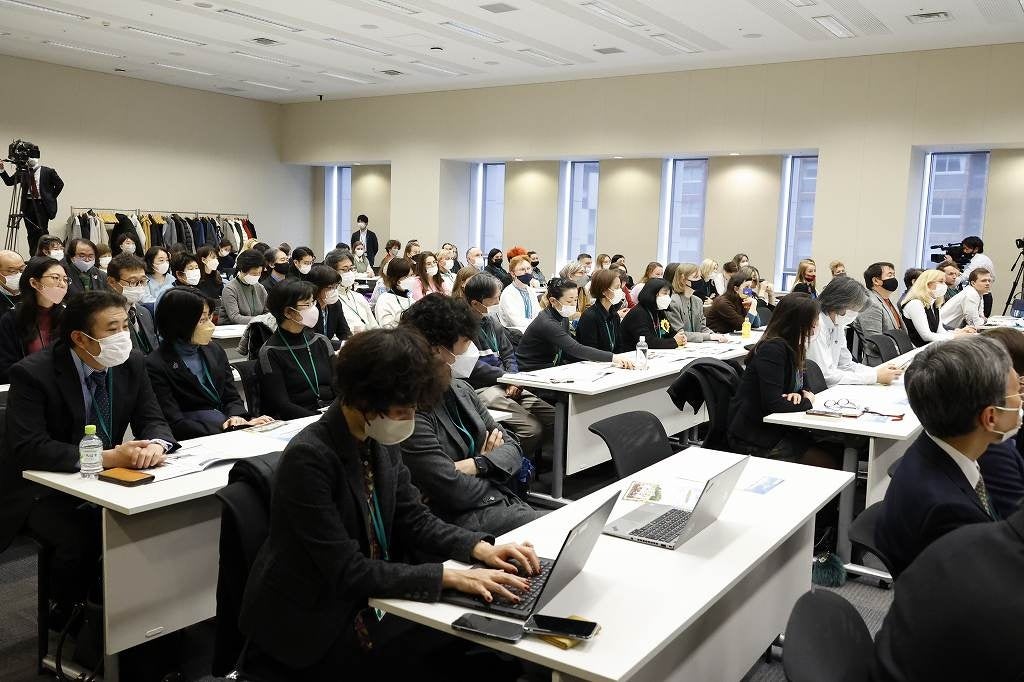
<point x="499" y="7"/>
<point x="608" y="50"/>
<point x="391" y="72"/>
<point x="265" y="42"/>
<point x="228" y="88"/>
<point x="930" y="17"/>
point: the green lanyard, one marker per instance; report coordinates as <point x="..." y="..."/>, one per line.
<point x="491" y="337"/>
<point x="353" y="308"/>
<point x="378" y="526"/>
<point x="211" y="390"/>
<point x="462" y="428"/>
<point x="611" y="336"/>
<point x="254" y="300"/>
<point x="315" y="384"/>
<point x="106" y="426"/>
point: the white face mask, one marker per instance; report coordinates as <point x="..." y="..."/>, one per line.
<point x="304" y="269"/>
<point x="225" y="252"/>
<point x="105" y="261"/>
<point x="348" y="279"/>
<point x="12" y="282"/>
<point x="388" y="431"/>
<point x="1007" y="435"/>
<point x="360" y="252"/>
<point x="939" y="291"/>
<point x="479" y="262"/>
<point x="57" y="254"/>
<point x="567" y="311"/>
<point x="617" y="296"/>
<point x="449" y="264"/>
<point x="406" y="283"/>
<point x="128" y="247"/>
<point x="309" y="316"/>
<point x="192" y="276"/>
<point x="332" y="297"/>
<point x="83" y="264"/>
<point x="846" y="318"/>
<point x="464" y="364"/>
<point x="114" y="349"/>
<point x="211" y="265"/>
<point x="432" y="270"/>
<point x="664" y="302"/>
<point x="161" y="268"/>
<point x="251" y="280"/>
<point x="133" y="294"/>
<point x="494" y="310"/>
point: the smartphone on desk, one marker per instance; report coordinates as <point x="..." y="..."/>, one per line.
<point x="486" y="626"/>
<point x="561" y="627"/>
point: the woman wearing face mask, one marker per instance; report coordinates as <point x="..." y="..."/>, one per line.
<point x="34" y="322"/>
<point x="603" y="262"/>
<point x="187" y="270"/>
<point x="244" y="297"/>
<point x="295" y="362"/>
<point x="359" y="259"/>
<point x="50" y="246"/>
<point x="427" y="277"/>
<point x="453" y="253"/>
<point x="103" y="256"/>
<point x="301" y="262"/>
<point x="395" y="300"/>
<point x="158" y="266"/>
<point x="332" y="323"/>
<point x="447" y="264"/>
<point x="80" y="266"/>
<point x="392" y="249"/>
<point x="654" y="270"/>
<point x="806" y="276"/>
<point x="686" y="311"/>
<point x="353" y="304"/>
<point x="738" y="303"/>
<point x="519" y="305"/>
<point x="226" y="257"/>
<point x="192" y="376"/>
<point x="920" y="309"/>
<point x="547" y="342"/>
<point x="741" y="260"/>
<point x="600" y="325"/>
<point x="495" y="258"/>
<point x="648" y="320"/>
<point x="211" y="284"/>
<point x="123" y="243"/>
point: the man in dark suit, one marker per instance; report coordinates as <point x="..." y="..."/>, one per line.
<point x="465" y="464"/>
<point x="367" y="236"/>
<point x="11" y="267"/>
<point x="126" y="275"/>
<point x="957" y="613"/>
<point x="39" y="191"/>
<point x="90" y="376"/>
<point x="966" y="394"/>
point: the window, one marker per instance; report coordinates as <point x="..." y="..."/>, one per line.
<point x="337" y="206"/>
<point x="797" y="215"/>
<point x="582" y="213"/>
<point x="688" y="180"/>
<point x="487" y="199"/>
<point x="954" y="198"/>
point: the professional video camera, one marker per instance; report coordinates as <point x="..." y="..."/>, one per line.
<point x="20" y="151"/>
<point x="954" y="251"/>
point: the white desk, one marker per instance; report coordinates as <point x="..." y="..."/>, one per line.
<point x="705" y="611"/>
<point x="887" y="439"/>
<point x="598" y="391"/>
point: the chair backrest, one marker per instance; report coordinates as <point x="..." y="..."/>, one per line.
<point x="250" y="385"/>
<point x="636" y="440"/>
<point x="258" y="335"/>
<point x="814" y="377"/>
<point x="862" y="532"/>
<point x="854" y="342"/>
<point x="765" y="313"/>
<point x="902" y="340"/>
<point x="826" y="641"/>
<point x="712" y="383"/>
<point x="881" y="346"/>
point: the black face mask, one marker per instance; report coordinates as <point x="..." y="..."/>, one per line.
<point x="890" y="284"/>
<point x="281" y="268"/>
<point x="497" y="262"/>
<point x="534" y="263"/>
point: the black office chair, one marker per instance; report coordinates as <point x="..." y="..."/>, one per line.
<point x="814" y="377"/>
<point x="250" y="385"/>
<point x="862" y="538"/>
<point x="765" y="314"/>
<point x="855" y="342"/>
<point x="636" y="440"/>
<point x="902" y="340"/>
<point x="884" y="347"/>
<point x="826" y="640"/>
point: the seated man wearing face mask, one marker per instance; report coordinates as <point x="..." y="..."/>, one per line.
<point x="11" y="267"/>
<point x="840" y="303"/>
<point x="879" y="315"/>
<point x="89" y="376"/>
<point x="464" y="463"/>
<point x="126" y="275"/>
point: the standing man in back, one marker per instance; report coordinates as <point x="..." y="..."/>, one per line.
<point x="368" y="237"/>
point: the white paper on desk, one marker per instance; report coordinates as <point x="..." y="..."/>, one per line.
<point x="681" y="492"/>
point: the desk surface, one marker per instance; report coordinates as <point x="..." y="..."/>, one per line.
<point x="641" y="617"/>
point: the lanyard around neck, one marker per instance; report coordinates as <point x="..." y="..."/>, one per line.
<point x="353" y="308"/>
<point x="457" y="420"/>
<point x="314" y="384"/>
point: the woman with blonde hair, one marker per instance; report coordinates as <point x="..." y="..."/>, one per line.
<point x="920" y="309"/>
<point x="654" y="270"/>
<point x="806" y="275"/>
<point x="603" y="262"/>
<point x="686" y="311"/>
<point x="763" y="289"/>
<point x="706" y="287"/>
<point x="461" y="277"/>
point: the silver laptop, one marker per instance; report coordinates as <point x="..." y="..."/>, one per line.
<point x="666" y="526"/>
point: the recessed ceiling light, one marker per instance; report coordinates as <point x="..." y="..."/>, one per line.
<point x="614" y="15"/>
<point x="164" y="36"/>
<point x="492" y="63"/>
<point x="618" y="157"/>
<point x="183" y="68"/>
<point x="176" y="54"/>
<point x="357" y="46"/>
<point x="204" y="5"/>
<point x="545" y="56"/>
<point x="270" y="60"/>
<point x="734" y="153"/>
<point x="343" y="77"/>
<point x="356" y="163"/>
<point x="67" y="46"/>
<point x="674" y="43"/>
<point x="436" y="69"/>
<point x="369" y="27"/>
<point x="753" y="36"/>
<point x="517" y="159"/>
<point x="391" y="72"/>
<point x="499" y="7"/>
<point x="267" y="85"/>
<point x="307" y="81"/>
<point x="43" y="8"/>
<point x="259" y="20"/>
<point x="265" y="42"/>
<point x="472" y="32"/>
<point x="934" y="17"/>
<point x="397" y="7"/>
<point x="802" y="3"/>
<point x="834" y="26"/>
<point x="608" y="50"/>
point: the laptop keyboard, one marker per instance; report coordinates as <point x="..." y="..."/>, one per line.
<point x="527" y="598"/>
<point x="665" y="528"/>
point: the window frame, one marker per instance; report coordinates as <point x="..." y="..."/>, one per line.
<point x="931" y="171"/>
<point x="672" y="169"/>
<point x="783" y="276"/>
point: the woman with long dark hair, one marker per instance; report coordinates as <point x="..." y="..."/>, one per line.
<point x="395" y="299"/>
<point x="211" y="284"/>
<point x="33" y="323"/>
<point x="427" y="277"/>
<point x="648" y="319"/>
<point x="495" y="259"/>
<point x="332" y="323"/>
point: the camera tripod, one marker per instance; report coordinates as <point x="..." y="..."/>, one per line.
<point x="17" y="211"/>
<point x="1017" y="289"/>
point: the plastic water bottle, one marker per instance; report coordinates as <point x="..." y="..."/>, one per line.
<point x="641" y="353"/>
<point x="745" y="329"/>
<point x="90" y="453"/>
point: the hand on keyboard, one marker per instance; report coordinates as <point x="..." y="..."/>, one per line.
<point x="485" y="583"/>
<point x="511" y="557"/>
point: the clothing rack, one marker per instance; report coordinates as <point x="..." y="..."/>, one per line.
<point x="75" y="210"/>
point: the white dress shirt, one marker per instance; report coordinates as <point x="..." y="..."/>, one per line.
<point x="512" y="309"/>
<point x="978" y="260"/>
<point x="972" y="472"/>
<point x="913" y="310"/>
<point x="966" y="306"/>
<point x="357" y="310"/>
<point x="828" y="349"/>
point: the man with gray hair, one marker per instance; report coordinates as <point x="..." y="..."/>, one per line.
<point x="967" y="396"/>
<point x="11" y="267"/>
<point x="841" y="301"/>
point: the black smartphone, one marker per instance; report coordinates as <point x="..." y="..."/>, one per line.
<point x="561" y="627"/>
<point x="489" y="627"/>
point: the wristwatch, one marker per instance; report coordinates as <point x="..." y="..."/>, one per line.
<point x="483" y="466"/>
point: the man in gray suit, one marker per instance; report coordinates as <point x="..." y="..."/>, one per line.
<point x="879" y="315"/>
<point x="463" y="462"/>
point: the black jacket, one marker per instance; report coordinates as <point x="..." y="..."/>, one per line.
<point x="144" y="339"/>
<point x="957" y="612"/>
<point x="8" y="301"/>
<point x="46" y="420"/>
<point x="805" y="288"/>
<point x="711" y="381"/>
<point x="499" y="272"/>
<point x="640" y="322"/>
<point x="12" y="349"/>
<point x="1002" y="468"/>
<point x="50" y="187"/>
<point x="181" y="395"/>
<point x="97" y="278"/>
<point x="770" y="373"/>
<point x="336" y="330"/>
<point x="600" y="328"/>
<point x="547" y="343"/>
<point x="314" y="574"/>
<point x="371" y="244"/>
<point x="927" y="497"/>
<point x="124" y="226"/>
<point x="502" y="358"/>
<point x="285" y="392"/>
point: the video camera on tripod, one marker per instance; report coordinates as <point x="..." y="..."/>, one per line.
<point x="954" y="251"/>
<point x="19" y="152"/>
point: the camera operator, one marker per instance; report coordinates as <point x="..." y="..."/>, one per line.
<point x="40" y="187"/>
<point x="974" y="247"/>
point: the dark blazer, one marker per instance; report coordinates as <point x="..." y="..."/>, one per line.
<point x="927" y="497"/>
<point x="97" y="277"/>
<point x="547" y="343"/>
<point x="371" y="244"/>
<point x="284" y="391"/>
<point x="1002" y="468"/>
<point x="600" y="328"/>
<point x="805" y="288"/>
<point x="499" y="272"/>
<point x="957" y="614"/>
<point x="493" y="337"/>
<point x="769" y="374"/>
<point x="8" y="301"/>
<point x="704" y="289"/>
<point x="181" y="395"/>
<point x="640" y="322"/>
<point x="314" y="574"/>
<point x="727" y="313"/>
<point x="472" y="502"/>
<point x="50" y="187"/>
<point x="46" y="419"/>
<point x="11" y="347"/>
<point x="336" y="330"/>
<point x="269" y="282"/>
<point x="146" y="334"/>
